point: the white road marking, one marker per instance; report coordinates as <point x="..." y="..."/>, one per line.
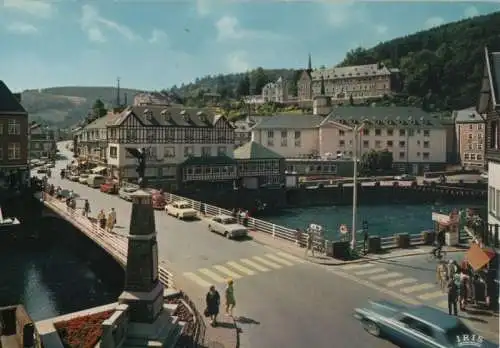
<point x="370" y="271"/>
<point x="240" y="268"/>
<point x="431" y="295"/>
<point x="254" y="265"/>
<point x="291" y="257"/>
<point x="386" y="276"/>
<point x="227" y="272"/>
<point x="442" y="304"/>
<point x="198" y="280"/>
<point x="267" y="262"/>
<point x="401" y="282"/>
<point x="279" y="260"/>
<point x="418" y="287"/>
<point x="356" y="266"/>
<point x="212" y="275"/>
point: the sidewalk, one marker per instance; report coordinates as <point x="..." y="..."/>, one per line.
<point x="292" y="249"/>
<point x="226" y="334"/>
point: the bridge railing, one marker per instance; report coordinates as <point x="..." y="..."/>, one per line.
<point x="114" y="244"/>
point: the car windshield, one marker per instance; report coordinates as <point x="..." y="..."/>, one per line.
<point x="228" y="221"/>
<point x="129" y="189"/>
<point x="458" y="331"/>
<point x="184" y="206"/>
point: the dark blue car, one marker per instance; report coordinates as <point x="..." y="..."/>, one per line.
<point x="418" y="326"/>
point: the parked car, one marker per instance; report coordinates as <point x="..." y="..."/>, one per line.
<point x="415" y="327"/>
<point x="109" y="187"/>
<point x="42" y="170"/>
<point x="82" y="178"/>
<point x="484" y="176"/>
<point x="50" y="165"/>
<point x="73" y="177"/>
<point x="181" y="210"/>
<point x="227" y="226"/>
<point x="405" y="177"/>
<point x="126" y="192"/>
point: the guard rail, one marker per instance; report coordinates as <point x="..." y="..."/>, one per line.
<point x="114" y="244"/>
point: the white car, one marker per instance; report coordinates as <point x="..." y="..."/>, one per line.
<point x="181" y="210"/>
<point x="404" y="177"/>
<point x="126" y="193"/>
<point x="82" y="178"/>
<point x="73" y="177"/>
<point x="484" y="176"/>
<point x="227" y="226"/>
<point x="51" y="165"/>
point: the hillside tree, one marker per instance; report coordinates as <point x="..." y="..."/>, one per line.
<point x="260" y="79"/>
<point x="243" y="88"/>
<point x="99" y="109"/>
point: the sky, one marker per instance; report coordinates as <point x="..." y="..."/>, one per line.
<point x="154" y="44"/>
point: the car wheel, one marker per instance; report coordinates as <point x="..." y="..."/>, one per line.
<point x="372" y="328"/>
<point x="177" y="216"/>
<point x="227" y="235"/>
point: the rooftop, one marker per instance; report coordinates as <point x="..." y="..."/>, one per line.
<point x="290" y="121"/>
<point x="469" y="115"/>
<point x="8" y="101"/>
<point x="253" y="150"/>
<point x="350" y="72"/>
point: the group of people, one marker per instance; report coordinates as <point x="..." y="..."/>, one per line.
<point x="212" y="300"/>
<point x="241" y="215"/>
<point x="107" y="221"/>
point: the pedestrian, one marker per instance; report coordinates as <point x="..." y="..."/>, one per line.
<point x="245" y="218"/>
<point x="113" y="216"/>
<point x="86" y="208"/>
<point x="309" y="243"/>
<point x="365" y="241"/>
<point x="212" y="300"/>
<point x="110" y="222"/>
<point x="442" y="275"/>
<point x="72" y="205"/>
<point x="452" y="297"/>
<point x="101" y="218"/>
<point x="230" y="299"/>
<point x="298" y="237"/>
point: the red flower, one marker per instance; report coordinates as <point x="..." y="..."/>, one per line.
<point x="82" y="332"/>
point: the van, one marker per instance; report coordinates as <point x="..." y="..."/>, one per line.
<point x="96" y="180"/>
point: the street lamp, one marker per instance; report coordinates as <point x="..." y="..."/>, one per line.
<point x="357" y="129"/>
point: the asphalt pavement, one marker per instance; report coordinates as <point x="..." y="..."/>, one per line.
<point x="282" y="300"/>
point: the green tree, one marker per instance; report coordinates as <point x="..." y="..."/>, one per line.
<point x="260" y="79"/>
<point x="99" y="109"/>
<point x="243" y="88"/>
<point x="375" y="162"/>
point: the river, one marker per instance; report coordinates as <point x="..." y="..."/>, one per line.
<point x="383" y="220"/>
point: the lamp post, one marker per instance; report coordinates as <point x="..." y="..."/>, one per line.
<point x="356" y="130"/>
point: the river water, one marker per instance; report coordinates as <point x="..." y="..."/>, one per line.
<point x="383" y="220"/>
<point x="50" y="281"/>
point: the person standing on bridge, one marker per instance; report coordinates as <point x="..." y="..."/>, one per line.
<point x="101" y="218"/>
<point x="309" y="243"/>
<point x="86" y="208"/>
<point x="110" y="224"/>
<point x="213" y="303"/>
<point x="230" y="299"/>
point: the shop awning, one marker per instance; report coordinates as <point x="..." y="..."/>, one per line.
<point x="98" y="170"/>
<point x="478" y="258"/>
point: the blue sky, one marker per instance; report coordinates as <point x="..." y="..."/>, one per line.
<point x="153" y="44"/>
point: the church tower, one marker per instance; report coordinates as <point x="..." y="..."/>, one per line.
<point x="309" y="64"/>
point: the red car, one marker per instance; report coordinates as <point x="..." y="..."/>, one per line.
<point x="110" y="188"/>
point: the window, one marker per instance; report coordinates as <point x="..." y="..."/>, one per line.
<point x="131" y="135"/>
<point x="113" y="152"/>
<point x="466" y="157"/>
<point x="479" y="146"/>
<point x="472" y="157"/>
<point x="470" y="127"/>
<point x="480" y="126"/>
<point x="377" y="144"/>
<point x="152" y="153"/>
<point x="284" y="134"/>
<point x="378" y="132"/>
<point x="341" y="143"/>
<point x="14" y="127"/>
<point x="206" y="151"/>
<point x="390" y="132"/>
<point x="411" y="132"/>
<point x="402" y="133"/>
<point x="425" y="155"/>
<point x="427" y="133"/>
<point x="470" y="136"/>
<point x="479" y="157"/>
<point x="169" y="152"/>
<point x="221" y="151"/>
<point x="418" y="154"/>
<point x="389" y="143"/>
<point x="298" y="142"/>
<point x="401" y="155"/>
<point x="470" y="147"/>
<point x="270" y="134"/>
<point x="426" y="144"/>
<point x="297" y="134"/>
<point x="14" y="151"/>
<point x="150" y="135"/>
<point x="189" y="135"/>
<point x="284" y="142"/>
<point x="366" y="132"/>
<point x="402" y="144"/>
<point x="366" y="144"/>
<point x="497" y="205"/>
<point x="341" y="133"/>
<point x="188" y="151"/>
<point x="270" y="142"/>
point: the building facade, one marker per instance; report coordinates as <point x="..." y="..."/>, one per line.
<point x="276" y="92"/>
<point x="42" y="142"/>
<point x="489" y="104"/>
<point x="184" y="146"/>
<point x="92" y="142"/>
<point x="470" y="129"/>
<point x="345" y="83"/>
<point x="14" y="169"/>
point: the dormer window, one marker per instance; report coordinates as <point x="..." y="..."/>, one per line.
<point x="185" y="115"/>
<point x="201" y="116"/>
<point x="148" y="114"/>
<point x="167" y="117"/>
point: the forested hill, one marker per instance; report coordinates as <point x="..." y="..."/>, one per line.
<point x="442" y="65"/>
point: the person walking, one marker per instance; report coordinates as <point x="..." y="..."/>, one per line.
<point x="212" y="300"/>
<point x="309" y="243"/>
<point x="230" y="299"/>
<point x="452" y="297"/>
<point x="110" y="222"/>
<point x="86" y="208"/>
<point x="101" y="218"/>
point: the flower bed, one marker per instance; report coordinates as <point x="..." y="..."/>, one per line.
<point x="82" y="332"/>
<point x="184" y="315"/>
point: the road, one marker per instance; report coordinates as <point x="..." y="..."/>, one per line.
<point x="281" y="299"/>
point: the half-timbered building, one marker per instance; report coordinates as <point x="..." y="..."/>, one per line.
<point x="259" y="166"/>
<point x="92" y="140"/>
<point x="184" y="145"/>
<point x="489" y="104"/>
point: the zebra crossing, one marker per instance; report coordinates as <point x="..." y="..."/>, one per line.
<point x="245" y="267"/>
<point x="428" y="293"/>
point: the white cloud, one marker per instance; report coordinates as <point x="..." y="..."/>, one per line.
<point x="342" y="14"/>
<point x="229" y="28"/>
<point x="471" y="11"/>
<point x="237" y="62"/>
<point x="95" y="25"/>
<point x="381" y="29"/>
<point x="22" y="28"/>
<point x="157" y="36"/>
<point x="433" y="22"/>
<point x="39" y="8"/>
<point x="203" y="7"/>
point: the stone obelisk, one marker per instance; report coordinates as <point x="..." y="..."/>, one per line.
<point x="143" y="291"/>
